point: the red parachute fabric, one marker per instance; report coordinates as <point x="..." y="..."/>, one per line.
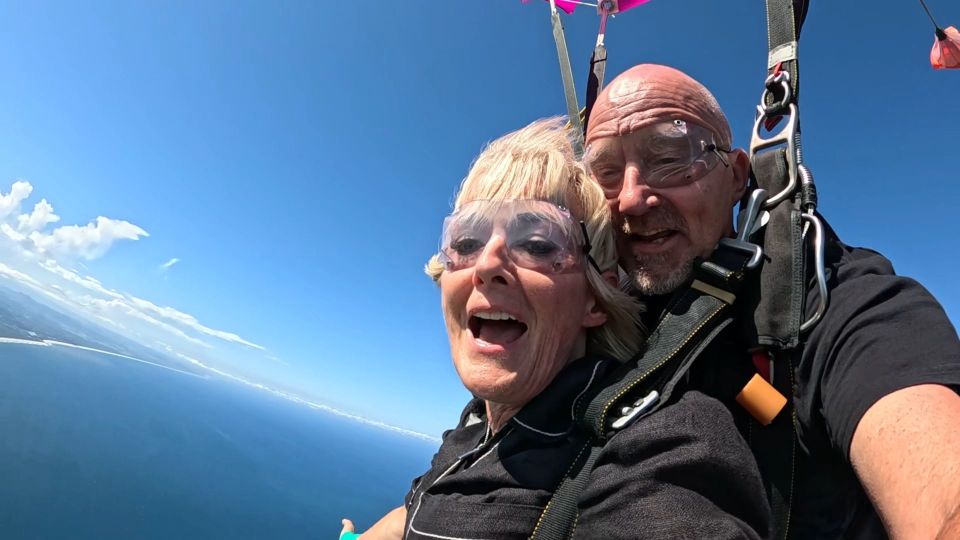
<point x="946" y="49"/>
<point x="567" y="6"/>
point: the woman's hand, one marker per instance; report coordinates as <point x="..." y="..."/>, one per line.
<point x="347" y="532"/>
<point x="390" y="527"/>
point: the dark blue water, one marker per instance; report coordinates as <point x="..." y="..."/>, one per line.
<point x="95" y="446"/>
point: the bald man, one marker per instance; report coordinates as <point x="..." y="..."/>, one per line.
<point x="878" y="413"/>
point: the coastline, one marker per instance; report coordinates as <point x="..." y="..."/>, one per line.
<point x="289" y="397"/>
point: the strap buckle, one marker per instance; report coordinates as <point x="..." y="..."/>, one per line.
<point x="750" y="220"/>
<point x="630" y="414"/>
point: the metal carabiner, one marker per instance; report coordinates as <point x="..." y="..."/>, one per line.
<point x="787" y="136"/>
<point x="818" y="261"/>
<point x="781" y="78"/>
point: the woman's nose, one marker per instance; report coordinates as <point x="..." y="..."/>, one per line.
<point x="491" y="265"/>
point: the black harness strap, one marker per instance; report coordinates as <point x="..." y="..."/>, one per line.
<point x="775" y="448"/>
<point x="694" y="318"/>
<point x="559" y="518"/>
<point x="773" y="304"/>
<point x="772" y="317"/>
<point x="784" y="21"/>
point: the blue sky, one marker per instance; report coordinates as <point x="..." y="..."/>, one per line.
<point x="296" y="160"/>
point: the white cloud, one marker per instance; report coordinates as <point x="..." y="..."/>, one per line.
<point x="41" y="216"/>
<point x="191" y="322"/>
<point x="148" y="311"/>
<point x="13" y="234"/>
<point x="18" y="275"/>
<point x="90" y="241"/>
<point x="108" y="306"/>
<point x="21" y="277"/>
<point x="86" y="282"/>
<point x="10" y="203"/>
<point x="28" y="244"/>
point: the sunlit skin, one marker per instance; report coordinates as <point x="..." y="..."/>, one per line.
<point x="661" y="231"/>
<point x="557" y="309"/>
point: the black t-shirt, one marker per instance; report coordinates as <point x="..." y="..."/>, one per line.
<point x="680" y="472"/>
<point x="881" y="333"/>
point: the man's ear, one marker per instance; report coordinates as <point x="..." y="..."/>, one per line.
<point x="595" y="315"/>
<point x="740" y="165"/>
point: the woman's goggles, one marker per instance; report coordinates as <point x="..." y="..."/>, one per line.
<point x="537" y="235"/>
<point x="668" y="154"/>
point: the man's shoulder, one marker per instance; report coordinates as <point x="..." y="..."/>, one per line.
<point x="850" y="262"/>
<point x="861" y="279"/>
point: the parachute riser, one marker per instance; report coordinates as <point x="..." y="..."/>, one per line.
<point x="777" y="101"/>
<point x="566" y="73"/>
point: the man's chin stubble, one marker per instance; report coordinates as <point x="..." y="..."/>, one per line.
<point x="643" y="282"/>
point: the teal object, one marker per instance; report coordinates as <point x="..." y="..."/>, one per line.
<point x="347" y="535"/>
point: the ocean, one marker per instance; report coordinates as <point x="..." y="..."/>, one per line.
<point x="97" y="446"/>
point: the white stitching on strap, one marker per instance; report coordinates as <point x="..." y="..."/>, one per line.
<point x="531" y="428"/>
<point x="596" y="366"/>
<point x="420" y="498"/>
<point x="441" y="536"/>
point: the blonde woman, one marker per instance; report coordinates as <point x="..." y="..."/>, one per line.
<point x="527" y="272"/>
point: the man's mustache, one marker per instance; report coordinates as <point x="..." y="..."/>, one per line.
<point x="657" y="219"/>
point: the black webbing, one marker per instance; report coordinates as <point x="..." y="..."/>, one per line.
<point x="691" y="317"/>
<point x="559" y="518"/>
<point x="598" y="66"/>
<point x="772" y="306"/>
<point x="691" y="322"/>
<point x="784" y="21"/>
<point x="775" y="447"/>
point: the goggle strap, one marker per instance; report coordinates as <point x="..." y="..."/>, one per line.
<point x="719" y="151"/>
<point x="587" y="247"/>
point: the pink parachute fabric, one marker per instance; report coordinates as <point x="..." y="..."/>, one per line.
<point x="946" y="49"/>
<point x="568" y="6"/>
<point x="945" y="53"/>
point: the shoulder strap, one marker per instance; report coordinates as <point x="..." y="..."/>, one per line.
<point x="775" y="447"/>
<point x="693" y="319"/>
<point x="784" y="21"/>
<point x="772" y="319"/>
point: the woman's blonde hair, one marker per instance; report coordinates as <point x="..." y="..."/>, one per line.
<point x="538" y="162"/>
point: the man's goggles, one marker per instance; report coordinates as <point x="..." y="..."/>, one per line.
<point x="537" y="235"/>
<point x="668" y="154"/>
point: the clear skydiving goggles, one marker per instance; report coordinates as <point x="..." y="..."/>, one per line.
<point x="537" y="235"/>
<point x="668" y="154"/>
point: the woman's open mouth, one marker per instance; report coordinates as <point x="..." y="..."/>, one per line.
<point x="495" y="328"/>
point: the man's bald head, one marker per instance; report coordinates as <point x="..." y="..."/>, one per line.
<point x="648" y="94"/>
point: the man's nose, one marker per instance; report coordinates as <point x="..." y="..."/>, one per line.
<point x="636" y="197"/>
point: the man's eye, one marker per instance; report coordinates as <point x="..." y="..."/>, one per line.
<point x="466" y="246"/>
<point x="664" y="161"/>
<point x="607" y="176"/>
<point x="537" y="247"/>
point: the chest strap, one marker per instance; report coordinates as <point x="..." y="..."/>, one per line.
<point x="694" y="317"/>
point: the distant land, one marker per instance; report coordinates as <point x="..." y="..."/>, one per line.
<point x="24" y="319"/>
